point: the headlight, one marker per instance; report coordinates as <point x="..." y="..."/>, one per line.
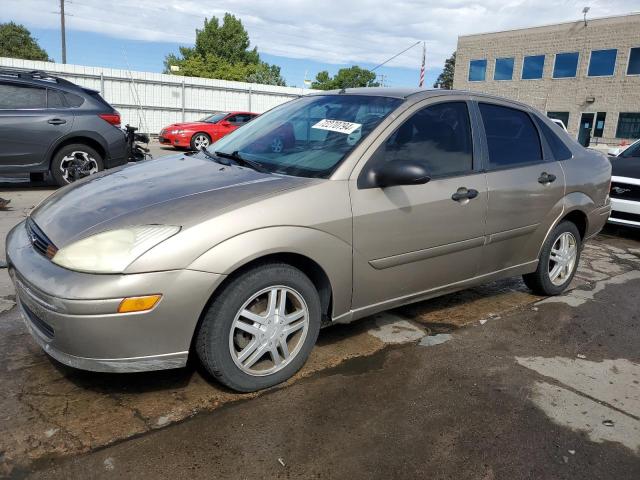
<point x="174" y="132"/>
<point x="112" y="251"/>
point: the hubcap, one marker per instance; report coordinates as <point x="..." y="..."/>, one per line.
<point x="562" y="259"/>
<point x="77" y="165"/>
<point x="269" y="330"/>
<point x="201" y="142"/>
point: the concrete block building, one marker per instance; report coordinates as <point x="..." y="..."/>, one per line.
<point x="586" y="74"/>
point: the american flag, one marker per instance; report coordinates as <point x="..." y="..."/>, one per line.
<point x="424" y="54"/>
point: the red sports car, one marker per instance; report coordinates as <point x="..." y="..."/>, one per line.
<point x="200" y="134"/>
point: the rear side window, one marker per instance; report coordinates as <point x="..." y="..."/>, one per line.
<point x="558" y="148"/>
<point x="15" y="97"/>
<point x="54" y="99"/>
<point x="438" y="136"/>
<point x="512" y="137"/>
<point x="73" y="100"/>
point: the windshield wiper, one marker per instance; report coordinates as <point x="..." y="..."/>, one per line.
<point x="236" y="157"/>
<point x="216" y="158"/>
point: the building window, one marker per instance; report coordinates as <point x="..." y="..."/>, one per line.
<point x="532" y="67"/>
<point x="566" y="65"/>
<point x="628" y="125"/>
<point x="602" y="63"/>
<point x="564" y="116"/>
<point x="504" y="69"/>
<point x="477" y="70"/>
<point x="598" y="128"/>
<point x="634" y="62"/>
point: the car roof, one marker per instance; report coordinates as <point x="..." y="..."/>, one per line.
<point x="405" y="93"/>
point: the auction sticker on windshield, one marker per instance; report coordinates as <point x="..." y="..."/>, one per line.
<point x="337" y="126"/>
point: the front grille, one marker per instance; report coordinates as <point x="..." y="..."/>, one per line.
<point x="39" y="240"/>
<point x="634" y="217"/>
<point x="37" y="322"/>
<point x="625" y="191"/>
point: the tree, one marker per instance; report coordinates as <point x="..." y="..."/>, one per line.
<point x="16" y="42"/>
<point x="345" y="78"/>
<point x="445" y="79"/>
<point x="223" y="52"/>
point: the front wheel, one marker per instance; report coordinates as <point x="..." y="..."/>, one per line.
<point x="558" y="261"/>
<point x="200" y="141"/>
<point x="73" y="162"/>
<point x="261" y="328"/>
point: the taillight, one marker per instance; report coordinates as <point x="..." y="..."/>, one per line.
<point x="112" y="118"/>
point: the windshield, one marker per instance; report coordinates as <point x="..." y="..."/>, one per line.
<point x="215" y="118"/>
<point x="632" y="151"/>
<point x="310" y="136"/>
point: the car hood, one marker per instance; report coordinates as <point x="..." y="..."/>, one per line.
<point x="173" y="190"/>
<point x="189" y="125"/>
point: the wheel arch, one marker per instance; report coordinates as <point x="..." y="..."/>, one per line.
<point x="78" y="139"/>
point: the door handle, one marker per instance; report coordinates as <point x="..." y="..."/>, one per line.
<point x="57" y="121"/>
<point x="463" y="194"/>
<point x="546" y="178"/>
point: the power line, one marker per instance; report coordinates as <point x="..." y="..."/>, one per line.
<point x="396" y="55"/>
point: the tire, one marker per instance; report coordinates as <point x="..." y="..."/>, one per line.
<point x="73" y="162"/>
<point x="541" y="281"/>
<point x="220" y="344"/>
<point x="200" y="140"/>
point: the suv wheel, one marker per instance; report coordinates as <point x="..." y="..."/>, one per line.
<point x="200" y="140"/>
<point x="261" y="328"/>
<point x="558" y="261"/>
<point x="73" y="162"/>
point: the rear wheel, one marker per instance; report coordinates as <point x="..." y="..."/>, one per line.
<point x="74" y="162"/>
<point x="261" y="328"/>
<point x="200" y="140"/>
<point x="558" y="261"/>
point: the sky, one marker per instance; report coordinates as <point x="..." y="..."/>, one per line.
<point x="301" y="36"/>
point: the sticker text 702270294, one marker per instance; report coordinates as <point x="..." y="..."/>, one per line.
<point x="339" y="126"/>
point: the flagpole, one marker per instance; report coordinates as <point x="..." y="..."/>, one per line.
<point x="424" y="57"/>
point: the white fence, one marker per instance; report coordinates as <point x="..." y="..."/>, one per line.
<point x="151" y="101"/>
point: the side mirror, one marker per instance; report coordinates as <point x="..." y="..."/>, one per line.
<point x="399" y="172"/>
<point x="225" y="123"/>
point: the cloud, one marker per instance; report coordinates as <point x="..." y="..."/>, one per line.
<point x="330" y="31"/>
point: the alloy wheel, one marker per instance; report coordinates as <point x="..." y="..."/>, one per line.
<point x="562" y="258"/>
<point x="77" y="165"/>
<point x="200" y="142"/>
<point x="269" y="330"/>
<point x="277" y="145"/>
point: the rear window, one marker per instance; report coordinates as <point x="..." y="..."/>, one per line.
<point x="96" y="96"/>
<point x="558" y="148"/>
<point x="15" y="97"/>
<point x="54" y="99"/>
<point x="512" y="137"/>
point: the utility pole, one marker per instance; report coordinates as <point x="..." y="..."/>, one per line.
<point x="62" y="33"/>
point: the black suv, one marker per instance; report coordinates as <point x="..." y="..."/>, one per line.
<point x="48" y="124"/>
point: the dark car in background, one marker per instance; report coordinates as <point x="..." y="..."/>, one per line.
<point x="625" y="187"/>
<point x="200" y="134"/>
<point x="50" y="125"/>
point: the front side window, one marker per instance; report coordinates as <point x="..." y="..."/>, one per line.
<point x="628" y="125"/>
<point x="477" y="70"/>
<point x="310" y="136"/>
<point x="504" y="69"/>
<point x="633" y="68"/>
<point x="438" y="137"/>
<point x="532" y="67"/>
<point x="602" y="63"/>
<point x="512" y="138"/>
<point x="566" y="65"/>
<point x="16" y="97"/>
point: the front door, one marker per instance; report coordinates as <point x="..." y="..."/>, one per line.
<point x="412" y="239"/>
<point x="586" y="127"/>
<point x="525" y="190"/>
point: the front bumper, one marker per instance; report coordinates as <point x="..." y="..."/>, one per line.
<point x="73" y="316"/>
<point x="177" y="140"/>
<point x="625" y="212"/>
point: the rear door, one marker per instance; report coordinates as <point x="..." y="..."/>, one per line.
<point x="28" y="127"/>
<point x="415" y="238"/>
<point x="525" y="186"/>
